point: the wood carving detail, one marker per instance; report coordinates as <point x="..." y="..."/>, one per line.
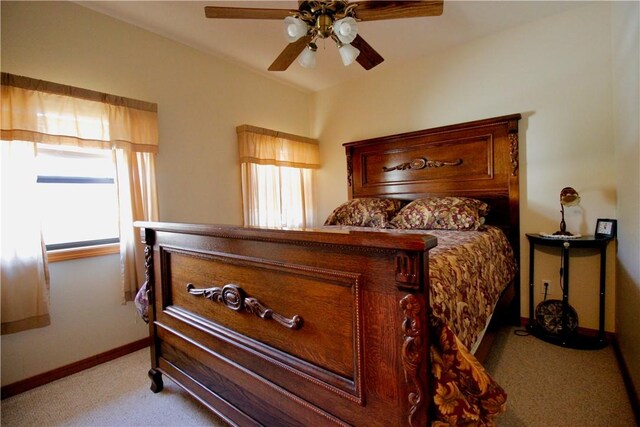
<point x="349" y="170"/>
<point x="412" y="352"/>
<point x="407" y="270"/>
<point x="513" y="152"/>
<point x="148" y="239"/>
<point x="148" y="282"/>
<point x="423" y="163"/>
<point x="234" y="298"/>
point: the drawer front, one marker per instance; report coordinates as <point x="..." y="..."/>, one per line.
<point x="307" y="319"/>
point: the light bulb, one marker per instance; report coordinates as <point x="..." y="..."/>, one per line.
<point x="345" y="29"/>
<point x="294" y="28"/>
<point x="307" y="58"/>
<point x="348" y="54"/>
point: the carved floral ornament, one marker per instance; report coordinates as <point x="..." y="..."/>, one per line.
<point x="411" y="351"/>
<point x="513" y="152"/>
<point x="423" y="163"/>
<point x="234" y="298"/>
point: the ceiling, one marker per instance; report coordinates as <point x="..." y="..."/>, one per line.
<point x="256" y="43"/>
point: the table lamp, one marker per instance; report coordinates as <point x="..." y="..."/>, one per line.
<point x="568" y="197"/>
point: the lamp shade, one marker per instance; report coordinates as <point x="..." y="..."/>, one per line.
<point x="294" y="28"/>
<point x="308" y="56"/>
<point x="345" y="29"/>
<point x="348" y="54"/>
<point x="569" y="197"/>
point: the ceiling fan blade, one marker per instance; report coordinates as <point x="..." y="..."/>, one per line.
<point x="245" y="13"/>
<point x="289" y="54"/>
<point x="377" y="10"/>
<point x="368" y="57"/>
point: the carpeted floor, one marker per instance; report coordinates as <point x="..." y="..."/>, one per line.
<point x="547" y="386"/>
<point x="113" y="394"/>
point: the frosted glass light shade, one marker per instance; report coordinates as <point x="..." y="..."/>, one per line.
<point x="307" y="58"/>
<point x="348" y="54"/>
<point x="294" y="28"/>
<point x="345" y="29"/>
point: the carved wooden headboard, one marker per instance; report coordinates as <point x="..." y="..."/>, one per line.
<point x="477" y="159"/>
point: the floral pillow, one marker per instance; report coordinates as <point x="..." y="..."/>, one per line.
<point x="365" y="212"/>
<point x="442" y="213"/>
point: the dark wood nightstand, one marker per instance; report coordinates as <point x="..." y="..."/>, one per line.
<point x="566" y="337"/>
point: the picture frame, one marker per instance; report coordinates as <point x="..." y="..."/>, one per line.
<point x="606" y="228"/>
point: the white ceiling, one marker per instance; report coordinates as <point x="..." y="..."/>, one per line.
<point x="256" y="43"/>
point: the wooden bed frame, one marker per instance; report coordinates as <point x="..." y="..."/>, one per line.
<point x="317" y="327"/>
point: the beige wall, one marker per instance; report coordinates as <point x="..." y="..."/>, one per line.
<point x="201" y="100"/>
<point x="555" y="72"/>
<point x="625" y="24"/>
<point x="87" y="318"/>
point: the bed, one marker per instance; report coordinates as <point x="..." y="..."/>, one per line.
<point x="335" y="326"/>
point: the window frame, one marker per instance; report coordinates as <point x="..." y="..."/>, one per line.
<point x="58" y="255"/>
<point x="57" y="252"/>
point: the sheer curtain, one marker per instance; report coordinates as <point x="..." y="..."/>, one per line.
<point x="36" y="111"/>
<point x="277" y="177"/>
<point x="137" y="201"/>
<point x="24" y="274"/>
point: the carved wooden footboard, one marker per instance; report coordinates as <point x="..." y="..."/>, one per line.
<point x="279" y="327"/>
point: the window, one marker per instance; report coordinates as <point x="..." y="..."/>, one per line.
<point x="77" y="191"/>
<point x="68" y="195"/>
<point x="283" y="196"/>
<point x="277" y="177"/>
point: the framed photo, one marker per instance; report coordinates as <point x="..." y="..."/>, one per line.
<point x="606" y="228"/>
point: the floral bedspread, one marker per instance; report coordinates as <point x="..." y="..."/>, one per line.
<point x="468" y="270"/>
<point x="463" y="392"/>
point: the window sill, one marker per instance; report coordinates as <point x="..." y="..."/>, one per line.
<point x="86" y="252"/>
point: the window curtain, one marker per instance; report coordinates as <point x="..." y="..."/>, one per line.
<point x="37" y="111"/>
<point x="277" y="177"/>
<point x="137" y="201"/>
<point x="24" y="275"/>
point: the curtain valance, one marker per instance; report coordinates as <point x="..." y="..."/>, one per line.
<point x="40" y="111"/>
<point x="269" y="147"/>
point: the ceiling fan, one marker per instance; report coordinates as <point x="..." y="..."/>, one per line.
<point x="324" y="19"/>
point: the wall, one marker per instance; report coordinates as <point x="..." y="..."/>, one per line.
<point x="556" y="72"/>
<point x="87" y="318"/>
<point x="626" y="110"/>
<point x="201" y="100"/>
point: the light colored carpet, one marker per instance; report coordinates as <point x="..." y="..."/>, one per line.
<point x="547" y="386"/>
<point x="113" y="394"/>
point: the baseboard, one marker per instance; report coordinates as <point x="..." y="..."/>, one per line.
<point x="628" y="382"/>
<point x="524" y="321"/>
<point x="73" y="368"/>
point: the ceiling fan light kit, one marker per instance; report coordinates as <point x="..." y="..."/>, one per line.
<point x="294" y="28"/>
<point x="348" y="54"/>
<point x="307" y="58"/>
<point x="345" y="29"/>
<point x="324" y="19"/>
